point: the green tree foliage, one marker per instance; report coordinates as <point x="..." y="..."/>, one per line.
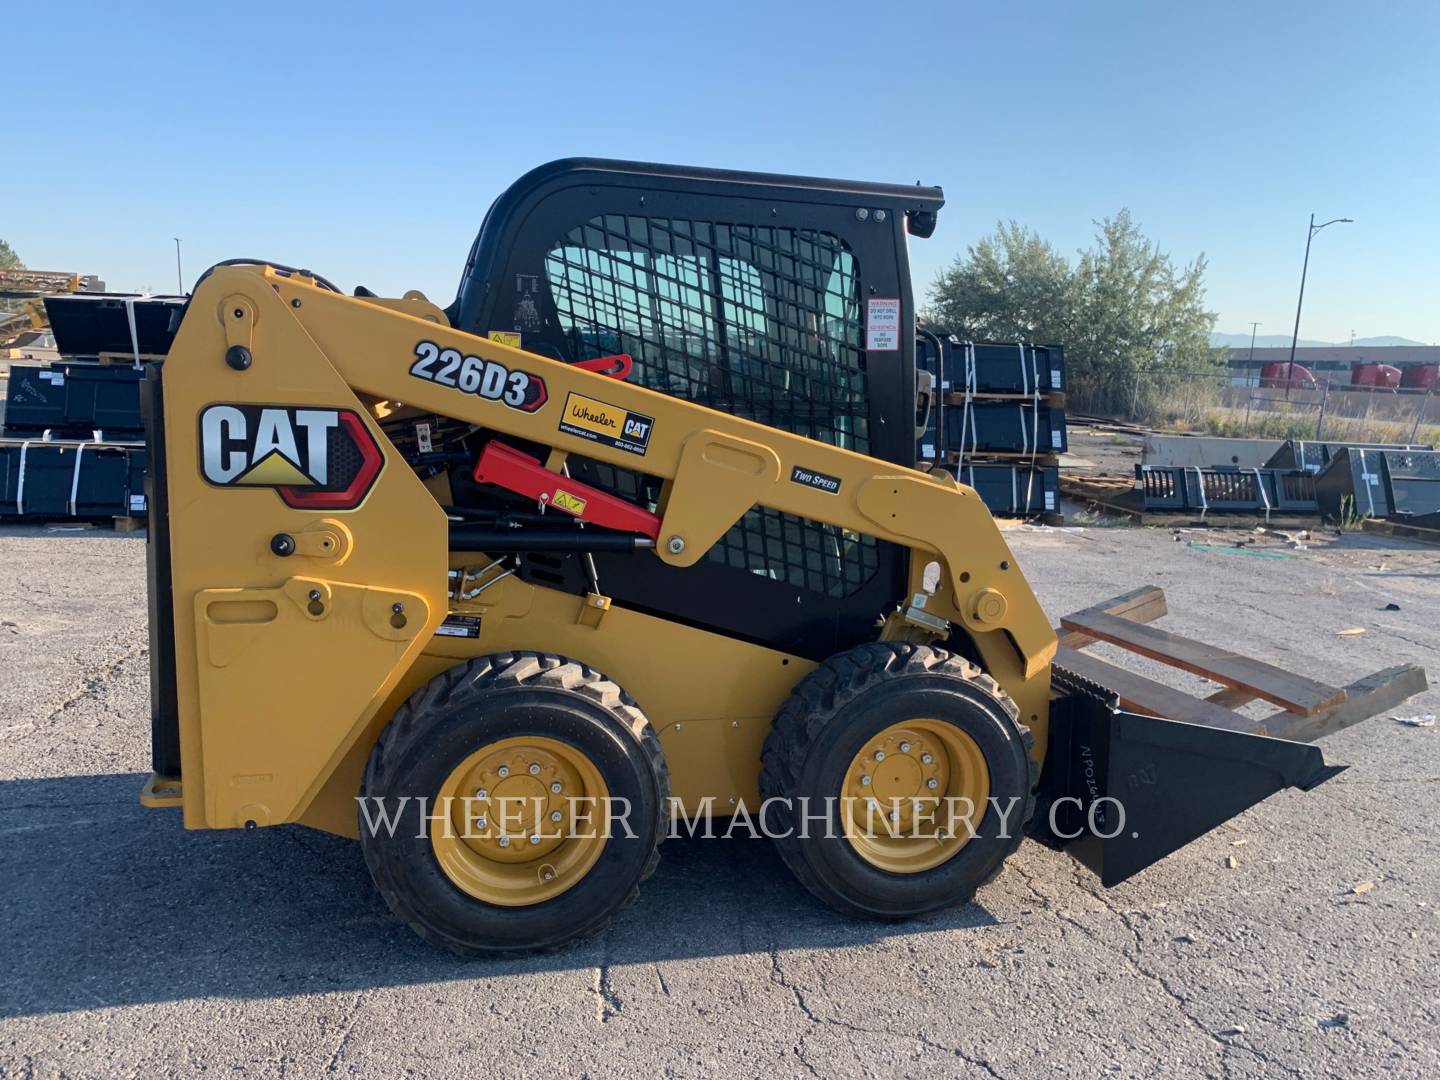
<point x="1126" y="314"/>
<point x="9" y="261"/>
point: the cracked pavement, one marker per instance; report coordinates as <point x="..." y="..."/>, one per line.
<point x="133" y="948"/>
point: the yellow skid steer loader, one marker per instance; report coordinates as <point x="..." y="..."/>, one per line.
<point x="628" y="537"/>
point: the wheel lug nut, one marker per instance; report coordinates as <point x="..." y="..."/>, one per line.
<point x="555" y="815"/>
<point x="926" y="759"/>
<point x="481" y="793"/>
<point x="534" y="839"/>
<point x="879" y="755"/>
<point x="480" y="823"/>
<point x="503" y="771"/>
<point x="932" y="783"/>
<point x="555" y="787"/>
<point x="504" y="841"/>
<point x="864" y="781"/>
<point x="534" y="769"/>
<point x="904" y="748"/>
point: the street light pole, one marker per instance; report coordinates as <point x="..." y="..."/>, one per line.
<point x="1304" y="268"/>
<point x="179" y="277"/>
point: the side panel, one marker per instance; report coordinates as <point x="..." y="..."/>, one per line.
<point x="710" y="698"/>
<point x="280" y="661"/>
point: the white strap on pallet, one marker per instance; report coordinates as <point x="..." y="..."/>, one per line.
<point x="966" y="421"/>
<point x="1264" y="495"/>
<point x="20" y="481"/>
<point x="75" y="476"/>
<point x="1034" y="418"/>
<point x="134" y="335"/>
<point x="1200" y="483"/>
<point x="1369" y="487"/>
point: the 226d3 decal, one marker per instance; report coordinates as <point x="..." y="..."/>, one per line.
<point x="488" y="379"/>
<point x="314" y="459"/>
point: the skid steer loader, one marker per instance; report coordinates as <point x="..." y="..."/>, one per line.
<point x="631" y="535"/>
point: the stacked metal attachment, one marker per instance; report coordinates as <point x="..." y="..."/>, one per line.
<point x="998" y="420"/>
<point x="73" y="442"/>
<point x="1335" y="480"/>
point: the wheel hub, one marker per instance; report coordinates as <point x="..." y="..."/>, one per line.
<point x="520" y="820"/>
<point x="914" y="795"/>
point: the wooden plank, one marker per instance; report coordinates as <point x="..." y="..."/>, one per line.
<point x="1145" y="604"/>
<point x="1401" y="530"/>
<point x="1376" y="693"/>
<point x="1139" y="694"/>
<point x="1231" y="697"/>
<point x="1294" y="693"/>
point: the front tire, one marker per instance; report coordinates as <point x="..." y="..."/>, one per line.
<point x="530" y="793"/>
<point x="905" y="730"/>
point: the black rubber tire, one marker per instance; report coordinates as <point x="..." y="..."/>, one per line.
<point x="479" y="702"/>
<point x="826" y="721"/>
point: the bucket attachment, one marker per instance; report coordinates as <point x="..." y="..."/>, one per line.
<point x="1136" y="769"/>
<point x="1122" y="790"/>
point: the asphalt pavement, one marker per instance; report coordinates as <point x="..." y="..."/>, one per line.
<point x="1300" y="940"/>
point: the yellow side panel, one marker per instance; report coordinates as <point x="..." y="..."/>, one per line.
<point x="710" y="698"/>
<point x="271" y="694"/>
<point x="261" y="754"/>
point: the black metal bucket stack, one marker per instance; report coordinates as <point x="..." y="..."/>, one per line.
<point x="998" y="421"/>
<point x="73" y="445"/>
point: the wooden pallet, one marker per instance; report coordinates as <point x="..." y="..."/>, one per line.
<point x="1308" y="708"/>
<point x="990" y="457"/>
<point x="1114" y="493"/>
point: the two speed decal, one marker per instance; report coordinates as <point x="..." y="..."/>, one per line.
<point x="488" y="379"/>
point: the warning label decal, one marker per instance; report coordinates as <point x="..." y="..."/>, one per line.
<point x="602" y="422"/>
<point x="459" y="626"/>
<point x="882" y="324"/>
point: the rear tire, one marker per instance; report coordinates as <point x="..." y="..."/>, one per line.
<point x="513" y="708"/>
<point x="822" y="747"/>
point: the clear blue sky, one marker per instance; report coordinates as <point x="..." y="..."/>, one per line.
<point x="366" y="141"/>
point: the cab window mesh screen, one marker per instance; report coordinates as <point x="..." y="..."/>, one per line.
<point x="760" y="322"/>
<point x="757" y="321"/>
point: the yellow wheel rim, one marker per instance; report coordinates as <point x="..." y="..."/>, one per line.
<point x="520" y="821"/>
<point x="914" y="795"/>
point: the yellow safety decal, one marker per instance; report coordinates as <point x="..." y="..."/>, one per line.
<point x="571" y="504"/>
<point x="602" y="422"/>
<point x="505" y="337"/>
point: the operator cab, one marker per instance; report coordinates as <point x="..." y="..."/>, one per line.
<point x="785" y="300"/>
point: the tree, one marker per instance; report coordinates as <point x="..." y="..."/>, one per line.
<point x="1127" y="316"/>
<point x="9" y="261"/>
<point x="1012" y="285"/>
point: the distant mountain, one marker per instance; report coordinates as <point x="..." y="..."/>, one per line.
<point x="1270" y="341"/>
<point x="1383" y="340"/>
